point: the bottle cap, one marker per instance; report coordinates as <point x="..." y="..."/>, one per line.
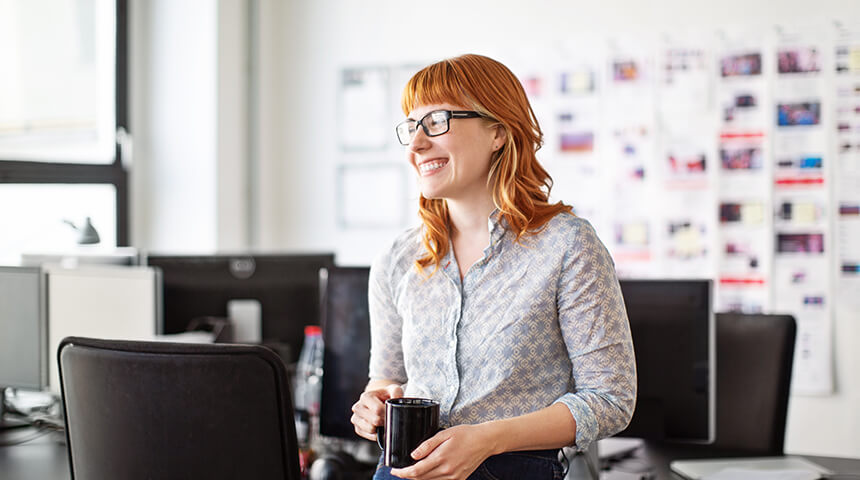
<point x="311" y="330"/>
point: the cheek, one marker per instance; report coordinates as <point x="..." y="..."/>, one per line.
<point x="480" y="160"/>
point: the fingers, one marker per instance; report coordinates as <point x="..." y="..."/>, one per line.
<point x="427" y="467"/>
<point x="429" y="445"/>
<point x="363" y="428"/>
<point x="371" y="404"/>
<point x="368" y="413"/>
<point x="394" y="391"/>
<point x="369" y="410"/>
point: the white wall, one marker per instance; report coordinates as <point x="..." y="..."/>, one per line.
<point x="302" y="46"/>
<point x="189" y="103"/>
<point x="173" y="88"/>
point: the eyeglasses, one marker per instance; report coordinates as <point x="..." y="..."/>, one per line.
<point x="434" y="124"/>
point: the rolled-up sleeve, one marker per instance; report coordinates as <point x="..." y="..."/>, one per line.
<point x="386" y="326"/>
<point x="596" y="331"/>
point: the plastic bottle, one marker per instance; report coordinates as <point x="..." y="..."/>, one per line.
<point x="307" y="390"/>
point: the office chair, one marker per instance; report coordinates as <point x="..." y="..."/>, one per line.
<point x="144" y="410"/>
<point x="754" y="361"/>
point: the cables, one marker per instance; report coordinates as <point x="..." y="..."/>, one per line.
<point x="44" y="419"/>
<point x="29" y="437"/>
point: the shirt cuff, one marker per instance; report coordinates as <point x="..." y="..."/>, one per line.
<point x="586" y="421"/>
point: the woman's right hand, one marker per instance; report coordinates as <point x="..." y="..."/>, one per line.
<point x="369" y="411"/>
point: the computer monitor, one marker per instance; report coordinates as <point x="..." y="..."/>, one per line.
<point x="346" y="334"/>
<point x="113" y="302"/>
<point x="127" y="256"/>
<point x="674" y="339"/>
<point x="286" y="287"/>
<point x="23" y="357"/>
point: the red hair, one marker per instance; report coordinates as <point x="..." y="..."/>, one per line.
<point x="519" y="183"/>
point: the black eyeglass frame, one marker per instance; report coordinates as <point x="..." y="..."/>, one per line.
<point x="420" y="123"/>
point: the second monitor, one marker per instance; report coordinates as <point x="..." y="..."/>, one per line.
<point x="285" y="286"/>
<point x="346" y="334"/>
<point x="674" y="339"/>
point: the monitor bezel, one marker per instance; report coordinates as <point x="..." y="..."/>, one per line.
<point x="712" y="357"/>
<point x="166" y="261"/>
<point x="42" y="319"/>
<point x="324" y="299"/>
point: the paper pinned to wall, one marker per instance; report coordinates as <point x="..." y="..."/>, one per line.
<point x="801" y="165"/>
<point x="363" y="120"/>
<point x="847" y="165"/>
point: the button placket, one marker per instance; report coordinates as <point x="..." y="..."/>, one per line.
<point x="451" y="392"/>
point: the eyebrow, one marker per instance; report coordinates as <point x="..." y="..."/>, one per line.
<point x="428" y="113"/>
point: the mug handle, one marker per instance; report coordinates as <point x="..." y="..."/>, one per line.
<point x="380" y="436"/>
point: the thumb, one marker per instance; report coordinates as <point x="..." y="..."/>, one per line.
<point x="430" y="444"/>
<point x="394" y="391"/>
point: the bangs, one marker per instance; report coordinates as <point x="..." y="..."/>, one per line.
<point x="437" y="83"/>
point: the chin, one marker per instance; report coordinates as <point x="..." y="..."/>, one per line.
<point x="432" y="195"/>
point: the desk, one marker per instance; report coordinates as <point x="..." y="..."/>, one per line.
<point x="46" y="459"/>
<point x="658" y="457"/>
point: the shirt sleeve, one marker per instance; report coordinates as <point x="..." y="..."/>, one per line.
<point x="386" y="325"/>
<point x="596" y="331"/>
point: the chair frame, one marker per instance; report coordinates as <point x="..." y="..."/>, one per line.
<point x="283" y="401"/>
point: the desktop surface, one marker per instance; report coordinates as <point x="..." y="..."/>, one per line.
<point x="657" y="457"/>
<point x="46" y="458"/>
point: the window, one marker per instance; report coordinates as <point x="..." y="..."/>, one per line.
<point x="63" y="103"/>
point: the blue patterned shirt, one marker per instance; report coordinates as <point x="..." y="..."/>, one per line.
<point x="531" y="324"/>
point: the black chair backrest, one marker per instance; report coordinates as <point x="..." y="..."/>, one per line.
<point x="144" y="410"/>
<point x="754" y="361"/>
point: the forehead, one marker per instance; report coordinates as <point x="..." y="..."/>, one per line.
<point x="420" y="110"/>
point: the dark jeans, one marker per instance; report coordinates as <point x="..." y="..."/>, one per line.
<point x="532" y="465"/>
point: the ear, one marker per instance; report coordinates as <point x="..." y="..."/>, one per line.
<point x="500" y="136"/>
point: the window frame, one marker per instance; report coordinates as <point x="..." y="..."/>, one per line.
<point x="115" y="173"/>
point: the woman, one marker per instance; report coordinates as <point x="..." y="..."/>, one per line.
<point x="503" y="307"/>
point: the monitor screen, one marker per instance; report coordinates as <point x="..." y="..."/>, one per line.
<point x="286" y="287"/>
<point x="113" y="302"/>
<point x="23" y="354"/>
<point x="674" y="338"/>
<point x="346" y="335"/>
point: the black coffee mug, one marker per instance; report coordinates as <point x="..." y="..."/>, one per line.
<point x="408" y="422"/>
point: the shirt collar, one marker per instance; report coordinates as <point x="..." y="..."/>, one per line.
<point x="497" y="225"/>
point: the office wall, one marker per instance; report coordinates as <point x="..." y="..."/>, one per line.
<point x="190" y="113"/>
<point x="320" y="38"/>
<point x="303" y="44"/>
<point x="173" y="87"/>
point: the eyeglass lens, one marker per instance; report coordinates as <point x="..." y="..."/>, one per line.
<point x="434" y="123"/>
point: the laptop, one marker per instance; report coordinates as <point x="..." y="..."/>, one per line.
<point x="747" y="467"/>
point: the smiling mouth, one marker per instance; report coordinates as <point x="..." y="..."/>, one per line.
<point x="431" y="166"/>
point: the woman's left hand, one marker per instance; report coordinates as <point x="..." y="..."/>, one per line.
<point x="452" y="454"/>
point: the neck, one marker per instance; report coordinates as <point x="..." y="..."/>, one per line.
<point x="470" y="217"/>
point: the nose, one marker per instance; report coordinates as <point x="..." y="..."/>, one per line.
<point x="420" y="141"/>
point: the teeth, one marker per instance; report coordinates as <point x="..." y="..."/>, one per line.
<point x="430" y="166"/>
